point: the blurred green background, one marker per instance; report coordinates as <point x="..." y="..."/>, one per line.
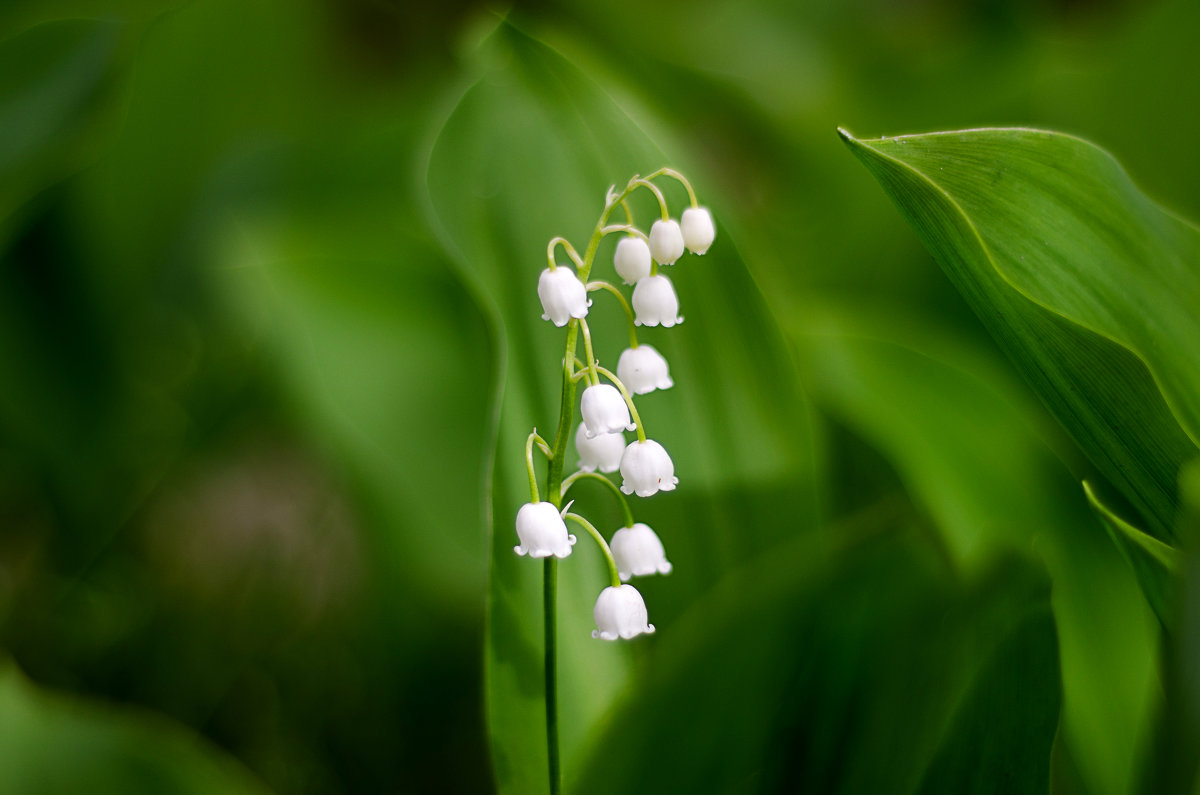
<point x="256" y="318"/>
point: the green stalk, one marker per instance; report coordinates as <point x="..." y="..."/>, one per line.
<point x="554" y="479"/>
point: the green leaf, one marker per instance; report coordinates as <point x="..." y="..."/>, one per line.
<point x="51" y="743"/>
<point x="804" y="671"/>
<point x="527" y="154"/>
<point x="1156" y="564"/>
<point x="1088" y="285"/>
<point x="964" y="439"/>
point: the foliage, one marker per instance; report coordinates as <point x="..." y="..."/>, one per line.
<point x="270" y="345"/>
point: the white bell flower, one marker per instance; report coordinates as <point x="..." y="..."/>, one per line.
<point x="698" y="230"/>
<point x="601" y="452"/>
<point x="666" y="241"/>
<point x="542" y="531"/>
<point x="646" y="469"/>
<point x="638" y="551"/>
<point x="643" y="370"/>
<point x="632" y="259"/>
<point x="620" y="612"/>
<point x="604" y="410"/>
<point x="655" y="302"/>
<point x="563" y="295"/>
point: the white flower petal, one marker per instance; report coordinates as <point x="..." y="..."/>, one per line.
<point x="620" y="612"/>
<point x="643" y="370"/>
<point x="666" y="241"/>
<point x="698" y="229"/>
<point x="563" y="296"/>
<point x="542" y="531"/>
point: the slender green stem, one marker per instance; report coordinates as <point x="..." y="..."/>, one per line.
<point x="633" y="412"/>
<point x="533" y="487"/>
<point x="670" y="172"/>
<point x="554" y="480"/>
<point x="633" y="231"/>
<point x="628" y="212"/>
<point x="601" y="285"/>
<point x="573" y="479"/>
<point x="587" y="347"/>
<point x="662" y="202"/>
<point x="614" y="575"/>
<point x="550" y="607"/>
<point x="566" y="244"/>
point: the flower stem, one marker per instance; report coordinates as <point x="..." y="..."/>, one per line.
<point x="602" y="285"/>
<point x="613" y="486"/>
<point x="550" y="605"/>
<point x="613" y="575"/>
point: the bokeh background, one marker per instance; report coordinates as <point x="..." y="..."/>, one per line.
<point x="251" y="366"/>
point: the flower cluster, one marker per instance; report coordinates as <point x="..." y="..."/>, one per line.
<point x="606" y="407"/>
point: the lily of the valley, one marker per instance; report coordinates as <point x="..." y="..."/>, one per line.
<point x="638" y="552"/>
<point x="601" y="452"/>
<point x="620" y="612"/>
<point x="632" y="259"/>
<point x="666" y="241"/>
<point x="655" y="302"/>
<point x="604" y="410"/>
<point x="647" y="469"/>
<point x="698" y="230"/>
<point x="542" y="531"/>
<point x="563" y="295"/>
<point x="643" y="370"/>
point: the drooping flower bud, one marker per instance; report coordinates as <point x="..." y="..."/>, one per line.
<point x="646" y="469"/>
<point x="563" y="295"/>
<point x="542" y="531"/>
<point x="604" y="410"/>
<point x="655" y="302"/>
<point x="601" y="452"/>
<point x="638" y="552"/>
<point x="698" y="230"/>
<point x="632" y="259"/>
<point x="643" y="370"/>
<point x="620" y="612"/>
<point x="666" y="241"/>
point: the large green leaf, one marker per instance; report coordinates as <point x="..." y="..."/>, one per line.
<point x="1088" y="285"/>
<point x="1156" y="564"/>
<point x="964" y="439"/>
<point x="527" y="154"/>
<point x="796" y="672"/>
<point x="52" y="743"/>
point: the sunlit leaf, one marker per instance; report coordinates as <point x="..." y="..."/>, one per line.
<point x="527" y="154"/>
<point x="1088" y="285"/>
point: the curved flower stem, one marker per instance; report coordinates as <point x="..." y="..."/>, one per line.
<point x="587" y="347"/>
<point x="662" y="202"/>
<point x="670" y="172"/>
<point x="567" y="247"/>
<point x="633" y="231"/>
<point x="613" y="574"/>
<point x="573" y="479"/>
<point x="602" y="285"/>
<point x="628" y="212"/>
<point x="545" y="448"/>
<point x="637" y="420"/>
